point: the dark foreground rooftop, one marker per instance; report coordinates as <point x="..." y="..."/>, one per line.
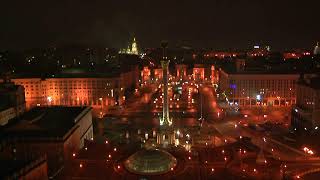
<point x="45" y="122"/>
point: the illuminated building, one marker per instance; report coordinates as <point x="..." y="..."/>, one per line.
<point x="132" y="49"/>
<point x="181" y="71"/>
<point x="296" y="54"/>
<point x="67" y="91"/>
<point x="306" y="113"/>
<point x="241" y="87"/>
<point x="145" y="74"/>
<point x="220" y="54"/>
<point x="214" y="75"/>
<point x="198" y="72"/>
<point x="158" y="73"/>
<point x="78" y="89"/>
<point x="259" y="51"/>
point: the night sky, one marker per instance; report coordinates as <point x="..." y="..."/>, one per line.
<point x="219" y="24"/>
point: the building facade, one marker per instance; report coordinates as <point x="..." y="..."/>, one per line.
<point x="306" y="113"/>
<point x="97" y="92"/>
<point x="252" y="88"/>
<point x="57" y="132"/>
<point x="12" y="101"/>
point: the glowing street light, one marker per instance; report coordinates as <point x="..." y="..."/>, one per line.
<point x="49" y="98"/>
<point x="258" y="97"/>
<point x="308" y="150"/>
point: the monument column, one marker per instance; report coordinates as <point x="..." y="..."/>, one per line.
<point x="165" y="68"/>
<point x="165" y="65"/>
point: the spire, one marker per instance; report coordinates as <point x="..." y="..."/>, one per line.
<point x="134" y="48"/>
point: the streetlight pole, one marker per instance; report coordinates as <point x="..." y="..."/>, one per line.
<point x="259" y="99"/>
<point x="101" y="100"/>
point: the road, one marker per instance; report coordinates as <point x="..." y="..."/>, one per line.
<point x="229" y="127"/>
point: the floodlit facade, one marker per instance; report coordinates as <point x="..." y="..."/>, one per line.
<point x="97" y="92"/>
<point x="243" y="88"/>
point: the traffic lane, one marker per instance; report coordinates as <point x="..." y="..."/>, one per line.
<point x="229" y="129"/>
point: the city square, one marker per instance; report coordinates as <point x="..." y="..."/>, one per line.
<point x="156" y="90"/>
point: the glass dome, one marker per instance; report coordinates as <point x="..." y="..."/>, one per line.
<point x="150" y="162"/>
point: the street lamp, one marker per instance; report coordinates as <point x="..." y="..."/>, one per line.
<point x="100" y="99"/>
<point x="49" y="98"/>
<point x="259" y="99"/>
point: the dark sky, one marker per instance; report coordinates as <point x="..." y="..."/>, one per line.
<point x="208" y="23"/>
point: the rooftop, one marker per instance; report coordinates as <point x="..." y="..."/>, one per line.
<point x="10" y="168"/>
<point x="45" y="122"/>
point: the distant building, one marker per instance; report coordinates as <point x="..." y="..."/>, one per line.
<point x="306" y="113"/>
<point x="296" y="54"/>
<point x="259" y="51"/>
<point x="198" y="72"/>
<point x="56" y="131"/>
<point x="145" y="74"/>
<point x="220" y="54"/>
<point x="316" y="50"/>
<point x="181" y="71"/>
<point x="242" y="86"/>
<point x="12" y="101"/>
<point x="76" y="88"/>
<point x="132" y="48"/>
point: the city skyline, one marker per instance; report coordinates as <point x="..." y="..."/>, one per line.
<point x="217" y="89"/>
<point x="211" y="24"/>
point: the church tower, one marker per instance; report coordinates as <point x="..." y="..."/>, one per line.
<point x="134" y="47"/>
